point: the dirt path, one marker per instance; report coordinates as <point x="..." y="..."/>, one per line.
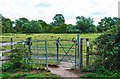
<point x="64" y="70"/>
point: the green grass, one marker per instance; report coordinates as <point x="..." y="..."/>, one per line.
<point x="41" y="75"/>
<point x="17" y="37"/>
<point x="44" y="75"/>
<point x="51" y="42"/>
<point x="101" y="75"/>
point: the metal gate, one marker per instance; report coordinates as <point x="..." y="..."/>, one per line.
<point x="38" y="50"/>
<point x="67" y="52"/>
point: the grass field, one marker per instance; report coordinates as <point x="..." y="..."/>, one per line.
<point x="51" y="42"/>
<point x="6" y="37"/>
<point x="17" y="37"/>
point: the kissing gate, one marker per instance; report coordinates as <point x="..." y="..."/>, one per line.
<point x="67" y="53"/>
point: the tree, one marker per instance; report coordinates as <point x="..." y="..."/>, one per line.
<point x="19" y="24"/>
<point x="72" y="29"/>
<point x="25" y="28"/>
<point x="85" y="25"/>
<point x="106" y="23"/>
<point x="61" y="29"/>
<point x="1" y="17"/>
<point x="35" y="27"/>
<point x="7" y="25"/>
<point x="32" y="27"/>
<point x="1" y="26"/>
<point x="58" y="20"/>
<point x="46" y="27"/>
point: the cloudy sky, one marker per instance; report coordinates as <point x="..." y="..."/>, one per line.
<point x="46" y="9"/>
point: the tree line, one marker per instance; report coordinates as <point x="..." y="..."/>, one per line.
<point x="83" y="25"/>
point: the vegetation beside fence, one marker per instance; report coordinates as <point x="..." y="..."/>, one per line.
<point x="17" y="67"/>
<point x="107" y="62"/>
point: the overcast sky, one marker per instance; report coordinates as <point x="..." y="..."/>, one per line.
<point x="46" y="9"/>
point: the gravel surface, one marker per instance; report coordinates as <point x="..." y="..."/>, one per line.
<point x="65" y="71"/>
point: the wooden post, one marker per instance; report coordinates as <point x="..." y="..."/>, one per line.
<point x="24" y="43"/>
<point x="11" y="43"/>
<point x="29" y="45"/>
<point x="57" y="50"/>
<point x="81" y="50"/>
<point x="87" y="51"/>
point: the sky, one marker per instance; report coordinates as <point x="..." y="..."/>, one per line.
<point x="46" y="9"/>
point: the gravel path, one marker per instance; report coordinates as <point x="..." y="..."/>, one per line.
<point x="66" y="72"/>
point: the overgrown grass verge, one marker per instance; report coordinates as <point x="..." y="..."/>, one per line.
<point x="27" y="75"/>
<point x="102" y="75"/>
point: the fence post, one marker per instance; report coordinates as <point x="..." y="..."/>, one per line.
<point x="87" y="51"/>
<point x="11" y="43"/>
<point x="57" y="50"/>
<point x="79" y="52"/>
<point x="29" y="44"/>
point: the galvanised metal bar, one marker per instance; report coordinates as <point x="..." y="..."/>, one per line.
<point x="75" y="55"/>
<point x="46" y="48"/>
<point x="79" y="52"/>
<point x="66" y="52"/>
<point x="37" y="51"/>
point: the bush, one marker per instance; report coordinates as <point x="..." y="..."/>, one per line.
<point x="5" y="75"/>
<point x="108" y="47"/>
<point x="102" y="73"/>
<point x="17" y="61"/>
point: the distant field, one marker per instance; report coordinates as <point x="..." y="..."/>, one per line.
<point x="18" y="37"/>
<point x="50" y="37"/>
<point x="51" y="40"/>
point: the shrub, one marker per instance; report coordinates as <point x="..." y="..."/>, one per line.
<point x="17" y="61"/>
<point x="5" y="75"/>
<point x="108" y="47"/>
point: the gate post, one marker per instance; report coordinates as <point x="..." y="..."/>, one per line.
<point x="29" y="43"/>
<point x="79" y="52"/>
<point x="75" y="55"/>
<point x="11" y="43"/>
<point x="57" y="41"/>
<point x="87" y="51"/>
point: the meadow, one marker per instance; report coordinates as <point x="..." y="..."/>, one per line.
<point x="5" y="37"/>
<point x="51" y="41"/>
